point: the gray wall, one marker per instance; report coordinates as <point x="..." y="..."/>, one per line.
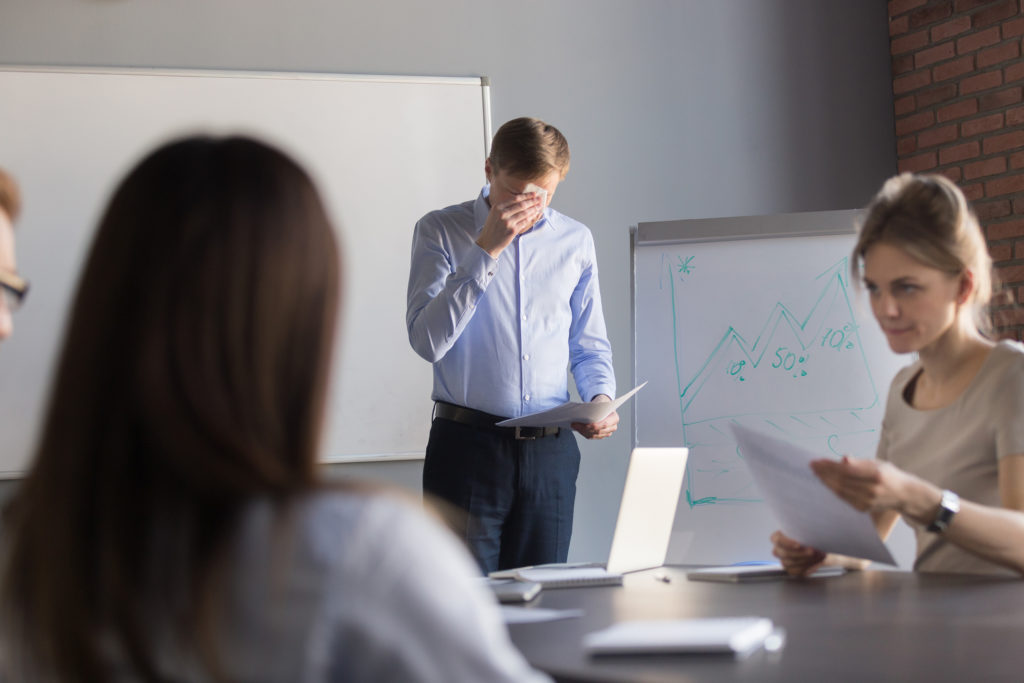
<point x="673" y="109"/>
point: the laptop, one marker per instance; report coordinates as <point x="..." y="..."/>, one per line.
<point x="648" y="509"/>
<point x="643" y="529"/>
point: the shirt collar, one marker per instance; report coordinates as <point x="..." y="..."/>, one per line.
<point x="481" y="208"/>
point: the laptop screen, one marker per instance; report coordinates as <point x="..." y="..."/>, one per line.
<point x="643" y="530"/>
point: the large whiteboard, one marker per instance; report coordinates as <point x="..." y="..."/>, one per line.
<point x="750" y="320"/>
<point x="383" y="150"/>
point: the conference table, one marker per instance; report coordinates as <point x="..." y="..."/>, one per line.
<point x="860" y="626"/>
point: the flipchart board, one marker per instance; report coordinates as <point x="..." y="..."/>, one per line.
<point x="750" y="320"/>
<point x="383" y="150"/>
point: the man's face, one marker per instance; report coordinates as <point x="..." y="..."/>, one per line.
<point x="7" y="265"/>
<point x="506" y="187"/>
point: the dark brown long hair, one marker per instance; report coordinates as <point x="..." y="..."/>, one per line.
<point x="192" y="381"/>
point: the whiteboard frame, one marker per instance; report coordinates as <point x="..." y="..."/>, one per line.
<point x="691" y="230"/>
<point x="482" y="82"/>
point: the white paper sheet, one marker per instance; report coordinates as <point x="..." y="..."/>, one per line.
<point x="708" y="635"/>
<point x="534" y="615"/>
<point x="569" y="412"/>
<point x="807" y="509"/>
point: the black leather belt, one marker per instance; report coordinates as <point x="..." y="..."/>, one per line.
<point x="478" y="418"/>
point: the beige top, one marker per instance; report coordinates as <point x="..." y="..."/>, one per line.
<point x="958" y="447"/>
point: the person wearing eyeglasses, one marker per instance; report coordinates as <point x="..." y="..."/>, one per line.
<point x="13" y="286"/>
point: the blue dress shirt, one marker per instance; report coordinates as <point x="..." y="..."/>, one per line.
<point x="500" y="332"/>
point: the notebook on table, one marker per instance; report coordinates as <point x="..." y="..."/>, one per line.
<point x="643" y="528"/>
<point x="756" y="572"/>
<point x="718" y="635"/>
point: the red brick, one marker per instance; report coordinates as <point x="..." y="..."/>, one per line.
<point x="905" y="146"/>
<point x="985" y="124"/>
<point x="929" y="15"/>
<point x="897" y="7"/>
<point x="1018" y="207"/>
<point x="949" y="29"/>
<point x="1002" y="252"/>
<point x="908" y="43"/>
<point x="987" y="211"/>
<point x="914" y="123"/>
<point x="973" y="192"/>
<point x="1018" y="252"/>
<point x="1017" y="160"/>
<point x="953" y="173"/>
<point x="985" y="81"/>
<point x="1006" y="185"/>
<point x="1013" y="28"/>
<point x="902" y="64"/>
<point x="1000" y="98"/>
<point x="903" y="105"/>
<point x="913" y="81"/>
<point x="997" y="54"/>
<point x="935" y="95"/>
<point x="967" y="150"/>
<point x="957" y="67"/>
<point x="980" y="169"/>
<point x="1015" y="117"/>
<point x="1006" y="230"/>
<point x="968" y="5"/>
<point x="1001" y="143"/>
<point x="957" y="110"/>
<point x="993" y="14"/>
<point x="921" y="162"/>
<point x="1010" y="274"/>
<point x="937" y="136"/>
<point x="979" y="39"/>
<point x="1006" y="317"/>
<point x="1014" y="72"/>
<point x="899" y="26"/>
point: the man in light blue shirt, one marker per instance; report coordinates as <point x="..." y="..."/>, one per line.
<point x="12" y="287"/>
<point x="503" y="296"/>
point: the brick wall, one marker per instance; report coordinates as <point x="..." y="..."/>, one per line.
<point x="958" y="86"/>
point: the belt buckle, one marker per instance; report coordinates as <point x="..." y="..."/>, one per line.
<point x="519" y="435"/>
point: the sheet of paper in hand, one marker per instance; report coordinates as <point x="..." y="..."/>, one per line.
<point x="569" y="412"/>
<point x="807" y="509"/>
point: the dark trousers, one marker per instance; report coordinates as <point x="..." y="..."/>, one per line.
<point x="518" y="496"/>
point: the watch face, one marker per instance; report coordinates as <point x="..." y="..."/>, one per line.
<point x="948" y="507"/>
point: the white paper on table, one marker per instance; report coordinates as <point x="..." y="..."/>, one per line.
<point x="807" y="509"/>
<point x="709" y="635"/>
<point x="569" y="412"/>
<point x="535" y="615"/>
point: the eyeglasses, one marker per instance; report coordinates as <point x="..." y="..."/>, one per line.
<point x="15" y="289"/>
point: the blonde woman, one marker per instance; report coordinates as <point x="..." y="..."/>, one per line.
<point x="951" y="452"/>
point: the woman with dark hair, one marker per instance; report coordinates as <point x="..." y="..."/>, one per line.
<point x="173" y="525"/>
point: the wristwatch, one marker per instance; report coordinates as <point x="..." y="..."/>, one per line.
<point x="949" y="506"/>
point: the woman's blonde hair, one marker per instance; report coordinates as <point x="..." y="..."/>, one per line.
<point x="929" y="218"/>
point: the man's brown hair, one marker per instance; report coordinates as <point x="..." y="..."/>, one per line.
<point x="10" y="196"/>
<point x="529" y="148"/>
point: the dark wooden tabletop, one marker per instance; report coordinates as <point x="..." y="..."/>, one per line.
<point x="862" y="626"/>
